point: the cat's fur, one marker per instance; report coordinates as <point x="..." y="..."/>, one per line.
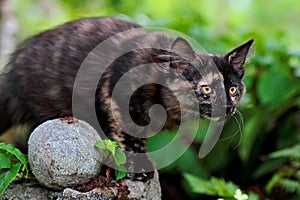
<point x="40" y="76"/>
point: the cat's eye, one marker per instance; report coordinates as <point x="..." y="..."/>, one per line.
<point x="206" y="89"/>
<point x="233" y="90"/>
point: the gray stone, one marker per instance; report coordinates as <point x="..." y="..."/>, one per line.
<point x="138" y="191"/>
<point x="59" y="151"/>
<point x="144" y="191"/>
<point x="95" y="194"/>
<point x="62" y="153"/>
<point x="28" y="192"/>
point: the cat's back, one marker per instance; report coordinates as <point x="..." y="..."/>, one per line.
<point x="67" y="45"/>
<point x="40" y="75"/>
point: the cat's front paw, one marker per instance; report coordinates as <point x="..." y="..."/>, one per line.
<point x="140" y="176"/>
<point x="137" y="169"/>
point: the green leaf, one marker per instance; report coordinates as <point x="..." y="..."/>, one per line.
<point x="273" y="181"/>
<point x="253" y="196"/>
<point x="214" y="186"/>
<point x="7" y="176"/>
<point x="4" y="161"/>
<point x="120" y="157"/>
<point x="101" y="144"/>
<point x="120" y="173"/>
<point x="196" y="184"/>
<point x="267" y="167"/>
<point x="272" y="85"/>
<point x="110" y="146"/>
<point x="291" y="152"/>
<point x="107" y="145"/>
<point x="15" y="152"/>
<point x="289" y="185"/>
<point x="116" y="144"/>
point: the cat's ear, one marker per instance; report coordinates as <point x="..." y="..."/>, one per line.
<point x="183" y="49"/>
<point x="172" y="60"/>
<point x="236" y="58"/>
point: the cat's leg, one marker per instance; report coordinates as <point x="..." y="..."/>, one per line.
<point x="136" y="166"/>
<point x="140" y="166"/>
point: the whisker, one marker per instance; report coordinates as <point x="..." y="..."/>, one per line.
<point x="241" y="120"/>
<point x="240" y="124"/>
<point x="238" y="118"/>
<point x="233" y="135"/>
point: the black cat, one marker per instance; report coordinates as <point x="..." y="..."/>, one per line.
<point x="38" y="84"/>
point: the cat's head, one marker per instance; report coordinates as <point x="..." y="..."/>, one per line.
<point x="216" y="79"/>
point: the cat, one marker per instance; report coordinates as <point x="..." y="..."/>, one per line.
<point x="38" y="81"/>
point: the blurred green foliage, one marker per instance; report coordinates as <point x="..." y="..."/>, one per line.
<point x="270" y="108"/>
<point x="13" y="164"/>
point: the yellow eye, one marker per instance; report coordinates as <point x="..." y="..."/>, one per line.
<point x="233" y="90"/>
<point x="206" y="89"/>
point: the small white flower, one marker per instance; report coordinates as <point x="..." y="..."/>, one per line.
<point x="240" y="196"/>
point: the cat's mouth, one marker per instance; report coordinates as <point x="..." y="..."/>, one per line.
<point x="217" y="115"/>
<point x="215" y="118"/>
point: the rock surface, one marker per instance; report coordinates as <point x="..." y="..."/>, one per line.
<point x="62" y="153"/>
<point x="141" y="191"/>
<point x="59" y="151"/>
<point x="138" y="191"/>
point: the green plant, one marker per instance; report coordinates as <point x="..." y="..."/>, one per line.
<point x="112" y="148"/>
<point x="287" y="176"/>
<point x="13" y="163"/>
<point x="217" y="187"/>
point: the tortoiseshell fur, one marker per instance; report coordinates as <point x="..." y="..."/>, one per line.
<point x="39" y="78"/>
